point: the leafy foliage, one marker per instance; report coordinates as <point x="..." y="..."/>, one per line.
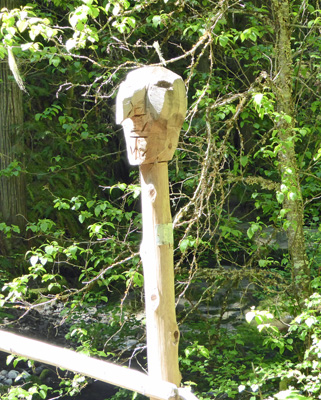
<point x="230" y="187"/>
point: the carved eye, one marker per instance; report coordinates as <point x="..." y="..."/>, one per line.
<point x="164" y="84"/>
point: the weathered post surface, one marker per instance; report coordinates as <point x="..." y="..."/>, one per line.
<point x="151" y="106"/>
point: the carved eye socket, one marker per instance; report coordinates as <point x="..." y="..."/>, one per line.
<point x="164" y="84"/>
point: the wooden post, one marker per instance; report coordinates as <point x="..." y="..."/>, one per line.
<point x="151" y="106"/>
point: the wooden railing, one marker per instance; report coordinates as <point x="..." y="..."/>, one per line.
<point x="97" y="369"/>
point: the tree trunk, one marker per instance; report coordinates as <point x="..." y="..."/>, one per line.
<point x="12" y="188"/>
<point x="290" y="184"/>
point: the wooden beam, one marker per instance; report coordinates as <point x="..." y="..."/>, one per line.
<point x="84" y="365"/>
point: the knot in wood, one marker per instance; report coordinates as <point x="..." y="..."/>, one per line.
<point x="151" y="192"/>
<point x="176" y="337"/>
<point x="154" y="297"/>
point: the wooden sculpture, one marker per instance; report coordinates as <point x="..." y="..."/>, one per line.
<point x="151" y="106"/>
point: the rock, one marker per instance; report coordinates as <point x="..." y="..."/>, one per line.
<point x="7" y="382"/>
<point x="130" y="343"/>
<point x="39" y="369"/>
<point x="13" y="374"/>
<point x="46" y="372"/>
<point x="4" y="372"/>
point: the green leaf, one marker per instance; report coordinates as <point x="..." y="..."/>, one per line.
<point x="292" y="196"/>
<point x="44" y="226"/>
<point x="241" y="388"/>
<point x="280" y="197"/>
<point x="22" y="25"/>
<point x="223" y="40"/>
<point x="72" y="250"/>
<point x="71" y="44"/>
<point x="290" y="395"/>
<point x="310" y="321"/>
<point x="263" y="263"/>
<point x="157" y="19"/>
<point x="257" y="98"/>
<point x="287" y="118"/>
<point x="55" y="61"/>
<point x="185" y="243"/>
<point x="50" y="249"/>
<point x="244" y="160"/>
<point x="315" y="105"/>
<point x="116" y="9"/>
<point x="90" y="203"/>
<point x="9" y="359"/>
<point x="33" y="260"/>
<point x="97" y="210"/>
<point x="249" y="316"/>
<point x="15" y="228"/>
<point x="131" y="21"/>
<point x="54" y="285"/>
<point x="185" y="126"/>
<point x="204" y="352"/>
<point x="253" y="229"/>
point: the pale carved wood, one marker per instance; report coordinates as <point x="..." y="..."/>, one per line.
<point x="157" y="256"/>
<point x="151" y="106"/>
